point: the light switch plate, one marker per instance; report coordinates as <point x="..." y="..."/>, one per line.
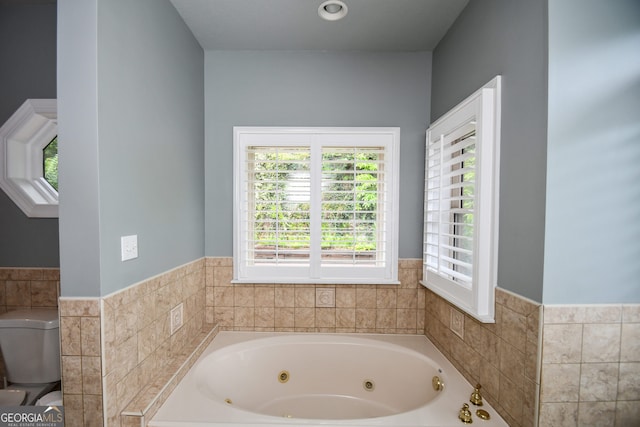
<point x="129" y="247"/>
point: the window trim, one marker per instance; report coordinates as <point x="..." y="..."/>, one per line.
<point x="23" y="136"/>
<point x="483" y="107"/>
<point x="249" y="136"/>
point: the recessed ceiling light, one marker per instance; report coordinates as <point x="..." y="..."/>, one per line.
<point x="332" y="10"/>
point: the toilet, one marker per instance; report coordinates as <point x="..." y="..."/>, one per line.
<point x="30" y="345"/>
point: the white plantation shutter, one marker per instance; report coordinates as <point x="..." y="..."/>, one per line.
<point x="449" y="207"/>
<point x="316" y="205"/>
<point x="278" y="187"/>
<point x="354" y="203"/>
<point x="460" y="251"/>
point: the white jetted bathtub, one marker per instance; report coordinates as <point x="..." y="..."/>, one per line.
<point x="285" y="379"/>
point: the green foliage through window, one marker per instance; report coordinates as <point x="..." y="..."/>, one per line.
<point x="350" y="201"/>
<point x="281" y="186"/>
<point x="462" y="208"/>
<point x="50" y="163"/>
<point x="281" y="189"/>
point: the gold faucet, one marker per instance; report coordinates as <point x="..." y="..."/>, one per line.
<point x="465" y="414"/>
<point x="476" y="397"/>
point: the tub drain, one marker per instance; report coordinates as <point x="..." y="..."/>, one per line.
<point x="368" y="385"/>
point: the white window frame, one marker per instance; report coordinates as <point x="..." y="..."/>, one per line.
<point x="385" y="272"/>
<point x="22" y="140"/>
<point x="483" y="108"/>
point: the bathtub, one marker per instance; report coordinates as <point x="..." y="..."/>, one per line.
<point x="286" y="379"/>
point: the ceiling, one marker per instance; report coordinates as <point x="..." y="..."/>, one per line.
<point x="380" y="25"/>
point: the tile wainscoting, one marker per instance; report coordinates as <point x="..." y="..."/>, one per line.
<point x="501" y="356"/>
<point x="114" y="348"/>
<point x="137" y="337"/>
<point x="591" y="366"/>
<point x="582" y="363"/>
<point x="389" y="309"/>
<point x="80" y="351"/>
<point x="552" y="365"/>
<point x="29" y="287"/>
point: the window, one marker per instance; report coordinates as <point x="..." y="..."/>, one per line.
<point x="461" y="203"/>
<point x="26" y="139"/>
<point x="316" y="205"/>
<point x="50" y="163"/>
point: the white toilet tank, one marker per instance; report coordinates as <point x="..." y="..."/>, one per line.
<point x="30" y="344"/>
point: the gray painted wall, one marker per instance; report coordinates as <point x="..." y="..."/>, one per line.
<point x="314" y="89"/>
<point x="151" y="133"/>
<point x="28" y="56"/>
<point x="78" y="134"/>
<point x="593" y="173"/>
<point x="141" y="170"/>
<point x="506" y="37"/>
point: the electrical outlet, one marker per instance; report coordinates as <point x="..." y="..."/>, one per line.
<point x="457" y="323"/>
<point x="325" y="297"/>
<point x="176" y="317"/>
<point x="129" y="247"/>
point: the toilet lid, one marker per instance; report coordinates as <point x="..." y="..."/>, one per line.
<point x="12" y="397"/>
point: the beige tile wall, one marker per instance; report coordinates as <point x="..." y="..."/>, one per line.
<point x="115" y="346"/>
<point x="81" y="363"/>
<point x="502" y="357"/>
<point x="138" y="344"/>
<point x="591" y="366"/>
<point x="28" y="287"/>
<point x="590" y="360"/>
<point x="292" y="308"/>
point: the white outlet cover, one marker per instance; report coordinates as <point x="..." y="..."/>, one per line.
<point x="457" y="323"/>
<point x="129" y="247"/>
<point x="176" y="318"/>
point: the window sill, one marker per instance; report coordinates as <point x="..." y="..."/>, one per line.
<point x="458" y="304"/>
